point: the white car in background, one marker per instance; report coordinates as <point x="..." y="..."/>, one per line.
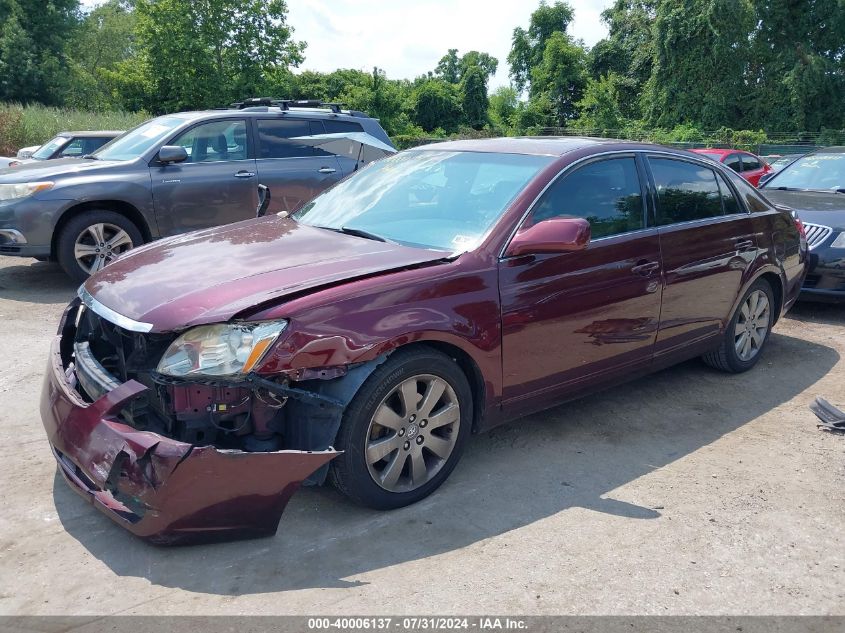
<point x="26" y="152"/>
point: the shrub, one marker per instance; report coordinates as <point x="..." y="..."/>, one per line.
<point x="21" y="126"/>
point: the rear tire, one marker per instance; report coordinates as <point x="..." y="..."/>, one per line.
<point x="424" y="401"/>
<point x="747" y="331"/>
<point x="92" y="239"/>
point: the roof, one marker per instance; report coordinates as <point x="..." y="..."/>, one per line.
<point x="537" y="145"/>
<point x="721" y="151"/>
<point x="93" y="133"/>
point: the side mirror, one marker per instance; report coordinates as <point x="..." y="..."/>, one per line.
<point x="558" y="235"/>
<point x="172" y="154"/>
<point x="263" y="201"/>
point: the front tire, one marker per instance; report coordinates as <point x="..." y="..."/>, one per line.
<point x="747" y="332"/>
<point x="404" y="431"/>
<point x="92" y="239"/>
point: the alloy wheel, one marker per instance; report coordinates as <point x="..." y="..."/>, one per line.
<point x="99" y="244"/>
<point x="412" y="433"/>
<point x="752" y="325"/>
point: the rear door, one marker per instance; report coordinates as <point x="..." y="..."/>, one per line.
<point x="347" y="164"/>
<point x="216" y="185"/>
<point x="572" y="321"/>
<point x="707" y="245"/>
<point x="294" y="172"/>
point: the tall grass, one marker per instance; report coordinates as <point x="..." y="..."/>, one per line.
<point x="21" y="126"/>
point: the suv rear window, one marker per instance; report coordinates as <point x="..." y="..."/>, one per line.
<point x="333" y="126"/>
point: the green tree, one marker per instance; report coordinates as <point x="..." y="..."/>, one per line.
<point x="474" y="102"/>
<point x="103" y="39"/>
<point x="202" y="53"/>
<point x="435" y="104"/>
<point x="560" y="76"/>
<point x="529" y="46"/>
<point x="503" y="104"/>
<point x="627" y="52"/>
<point x="599" y="108"/>
<point x="449" y="67"/>
<point x="486" y="62"/>
<point x="701" y="53"/>
<point x="798" y="65"/>
<point x="33" y="38"/>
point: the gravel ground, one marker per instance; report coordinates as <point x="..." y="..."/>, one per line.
<point x="687" y="492"/>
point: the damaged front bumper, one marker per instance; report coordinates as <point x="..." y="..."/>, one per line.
<point x="161" y="489"/>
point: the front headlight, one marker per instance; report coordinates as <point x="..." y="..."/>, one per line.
<point x="224" y="349"/>
<point x="839" y="242"/>
<point x="22" y="189"/>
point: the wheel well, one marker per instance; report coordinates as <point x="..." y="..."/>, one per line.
<point x="471" y="371"/>
<point x="777" y="289"/>
<point x="118" y="206"/>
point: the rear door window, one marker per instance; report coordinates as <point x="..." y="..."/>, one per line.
<point x="754" y="202"/>
<point x="606" y="193"/>
<point x="274" y="138"/>
<point x="733" y="161"/>
<point x="750" y="163"/>
<point x="685" y="191"/>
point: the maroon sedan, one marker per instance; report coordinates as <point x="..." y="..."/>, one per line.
<point x="198" y="381"/>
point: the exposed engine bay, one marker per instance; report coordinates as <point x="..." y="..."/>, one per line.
<point x="250" y="413"/>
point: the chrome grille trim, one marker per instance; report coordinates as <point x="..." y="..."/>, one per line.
<point x="110" y="315"/>
<point x="816" y="233"/>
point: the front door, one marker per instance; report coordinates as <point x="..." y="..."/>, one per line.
<point x="294" y="172"/>
<point x="707" y="243"/>
<point x="216" y="185"/>
<point x="573" y="321"/>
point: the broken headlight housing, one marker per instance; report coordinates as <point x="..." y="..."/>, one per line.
<point x="223" y="349"/>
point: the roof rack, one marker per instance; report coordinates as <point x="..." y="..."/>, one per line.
<point x="286" y="104"/>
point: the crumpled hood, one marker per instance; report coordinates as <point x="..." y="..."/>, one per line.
<point x="46" y="169"/>
<point x="818" y="207"/>
<point x="212" y="275"/>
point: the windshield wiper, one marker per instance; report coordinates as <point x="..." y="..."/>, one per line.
<point x="362" y="233"/>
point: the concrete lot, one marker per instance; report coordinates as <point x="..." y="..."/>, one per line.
<point x="689" y="492"/>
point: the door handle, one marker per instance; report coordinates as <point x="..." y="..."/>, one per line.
<point x="244" y="174"/>
<point x="743" y="245"/>
<point x="645" y="268"/>
<point x="327" y="170"/>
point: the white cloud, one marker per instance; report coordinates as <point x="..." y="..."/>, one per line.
<point x="407" y="39"/>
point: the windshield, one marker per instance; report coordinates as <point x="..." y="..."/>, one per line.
<point x="138" y="140"/>
<point x="815" y="171"/>
<point x="429" y="198"/>
<point x="45" y="151"/>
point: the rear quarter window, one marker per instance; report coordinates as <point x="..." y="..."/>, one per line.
<point x="333" y="126"/>
<point x="754" y="202"/>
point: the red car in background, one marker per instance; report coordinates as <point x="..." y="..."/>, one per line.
<point x="746" y="164"/>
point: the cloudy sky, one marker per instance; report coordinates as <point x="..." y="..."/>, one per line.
<point x="407" y="37"/>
